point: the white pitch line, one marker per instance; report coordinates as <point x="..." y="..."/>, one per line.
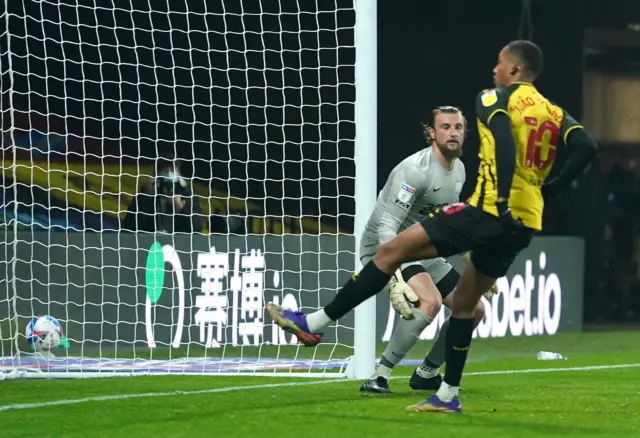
<point x="73" y="401"/>
<point x="21" y="406"/>
<point x="546" y="370"/>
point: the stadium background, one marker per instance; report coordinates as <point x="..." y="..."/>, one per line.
<point x="430" y="53"/>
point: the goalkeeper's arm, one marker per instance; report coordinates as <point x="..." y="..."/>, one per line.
<point x="398" y="201"/>
<point x="397" y="204"/>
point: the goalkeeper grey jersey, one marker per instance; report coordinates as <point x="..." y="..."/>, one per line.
<point x="415" y="187"/>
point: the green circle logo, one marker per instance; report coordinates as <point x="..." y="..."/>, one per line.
<point x="154" y="275"/>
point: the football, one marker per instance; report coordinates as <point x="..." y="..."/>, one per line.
<point x="44" y="332"/>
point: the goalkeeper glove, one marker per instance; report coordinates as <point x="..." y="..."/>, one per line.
<point x="401" y="295"/>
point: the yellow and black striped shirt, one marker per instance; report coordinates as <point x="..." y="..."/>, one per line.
<point x="538" y="128"/>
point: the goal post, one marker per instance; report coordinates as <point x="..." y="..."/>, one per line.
<point x="366" y="150"/>
<point x="272" y="108"/>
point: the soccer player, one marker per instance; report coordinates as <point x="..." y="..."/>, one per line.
<point x="520" y="130"/>
<point x="419" y="185"/>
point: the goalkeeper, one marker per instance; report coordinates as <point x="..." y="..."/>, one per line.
<point x="419" y="185"/>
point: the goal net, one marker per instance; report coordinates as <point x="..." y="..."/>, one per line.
<point x="167" y="169"/>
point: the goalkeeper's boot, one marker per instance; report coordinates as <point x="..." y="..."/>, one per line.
<point x="294" y="323"/>
<point x="434" y="404"/>
<point x="378" y="385"/>
<point x="420" y="383"/>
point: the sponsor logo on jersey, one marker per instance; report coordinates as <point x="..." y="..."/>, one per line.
<point x="402" y="205"/>
<point x="405" y="194"/>
<point x="408" y="189"/>
<point x="430" y="208"/>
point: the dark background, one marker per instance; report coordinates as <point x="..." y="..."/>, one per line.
<point x="257" y="99"/>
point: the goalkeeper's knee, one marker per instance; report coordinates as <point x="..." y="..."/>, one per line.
<point x="430" y="305"/>
<point x="429" y="299"/>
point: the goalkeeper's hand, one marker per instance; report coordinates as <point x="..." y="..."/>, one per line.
<point x="466" y="258"/>
<point x="402" y="296"/>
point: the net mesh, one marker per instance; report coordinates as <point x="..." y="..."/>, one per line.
<point x="167" y="168"/>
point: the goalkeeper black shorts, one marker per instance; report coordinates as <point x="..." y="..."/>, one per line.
<point x="458" y="228"/>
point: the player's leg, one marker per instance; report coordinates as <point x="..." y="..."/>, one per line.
<point x="488" y="263"/>
<point x="411" y="245"/>
<point x="472" y="285"/>
<point x="427" y="375"/>
<point x="408" y="331"/>
<point x="446" y="279"/>
<point x="453" y="231"/>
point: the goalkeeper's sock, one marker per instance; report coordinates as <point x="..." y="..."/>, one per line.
<point x="405" y="336"/>
<point x="383" y="369"/>
<point x="436" y="356"/>
<point x="459" y="337"/>
<point x="361" y="286"/>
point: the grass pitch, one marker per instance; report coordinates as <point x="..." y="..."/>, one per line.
<point x="504" y="395"/>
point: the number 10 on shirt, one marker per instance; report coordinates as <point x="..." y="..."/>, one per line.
<point x="542" y="138"/>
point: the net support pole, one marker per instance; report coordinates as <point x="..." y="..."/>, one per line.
<point x="366" y="79"/>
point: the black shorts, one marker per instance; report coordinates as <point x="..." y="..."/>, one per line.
<point x="458" y="228"/>
<point x="445" y="286"/>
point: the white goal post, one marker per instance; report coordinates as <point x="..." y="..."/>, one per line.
<point x="270" y="109"/>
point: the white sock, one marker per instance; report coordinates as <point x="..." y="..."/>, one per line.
<point x="427" y="373"/>
<point x="316" y="321"/>
<point x="382" y="371"/>
<point x="446" y="393"/>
